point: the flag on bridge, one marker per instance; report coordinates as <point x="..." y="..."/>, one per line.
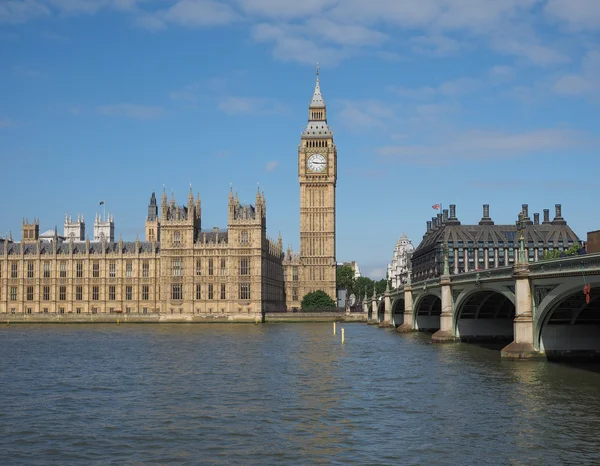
<point x="436" y="206"/>
<point x="101" y="202"/>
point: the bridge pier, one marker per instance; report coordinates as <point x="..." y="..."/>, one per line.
<point x="387" y="310"/>
<point x="374" y="311"/>
<point x="446" y="332"/>
<point x="522" y="347"/>
<point x="408" y="324"/>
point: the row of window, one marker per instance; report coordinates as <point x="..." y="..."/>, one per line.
<point x="176" y="292"/>
<point x="490" y="244"/>
<point x="94" y="310"/>
<point x="62" y="269"/>
<point x="177" y="268"/>
<point x="243" y="291"/>
<point x="62" y="293"/>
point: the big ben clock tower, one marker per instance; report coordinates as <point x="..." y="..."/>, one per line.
<point x="317" y="174"/>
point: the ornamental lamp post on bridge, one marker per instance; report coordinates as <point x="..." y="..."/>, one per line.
<point x="521" y="228"/>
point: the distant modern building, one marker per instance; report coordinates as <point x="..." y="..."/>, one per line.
<point x="487" y="245"/>
<point x="397" y="270"/>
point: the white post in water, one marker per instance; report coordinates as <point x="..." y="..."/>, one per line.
<point x="334" y="328"/>
<point x="342" y="336"/>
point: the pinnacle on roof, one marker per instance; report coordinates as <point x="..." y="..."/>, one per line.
<point x="317" y="99"/>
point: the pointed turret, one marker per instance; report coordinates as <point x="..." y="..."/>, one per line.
<point x="191" y="197"/>
<point x="317" y="115"/>
<point x="317" y="100"/>
<point x="152" y="208"/>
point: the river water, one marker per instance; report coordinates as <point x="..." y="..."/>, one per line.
<point x="283" y="394"/>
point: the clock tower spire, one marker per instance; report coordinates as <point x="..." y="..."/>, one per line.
<point x="317" y="174"/>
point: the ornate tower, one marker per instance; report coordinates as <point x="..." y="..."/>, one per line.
<point x="74" y="229"/>
<point x="152" y="221"/>
<point x="317" y="174"/>
<point x="30" y="232"/>
<point x="104" y="228"/>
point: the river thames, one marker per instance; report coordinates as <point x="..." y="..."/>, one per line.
<point x="283" y="394"/>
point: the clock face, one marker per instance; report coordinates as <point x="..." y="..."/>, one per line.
<point x="316" y="163"/>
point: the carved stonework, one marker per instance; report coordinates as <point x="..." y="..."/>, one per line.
<point x="540" y="292"/>
<point x="456" y="294"/>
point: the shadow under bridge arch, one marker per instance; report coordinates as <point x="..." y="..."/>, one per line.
<point x="485" y="315"/>
<point x="569" y="327"/>
<point x="427" y="313"/>
<point x="381" y="310"/>
<point x="397" y="313"/>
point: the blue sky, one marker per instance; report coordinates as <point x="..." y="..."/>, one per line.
<point x="431" y="101"/>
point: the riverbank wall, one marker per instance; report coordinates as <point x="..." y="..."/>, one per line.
<point x="275" y="317"/>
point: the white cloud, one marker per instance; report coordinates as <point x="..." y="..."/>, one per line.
<point x="500" y="73"/>
<point x="482" y="145"/>
<point x="436" y="45"/>
<point x="576" y="14"/>
<point x="271" y="166"/>
<point x="291" y="44"/>
<point x="200" y="13"/>
<point x="249" y="105"/>
<point x="374" y="272"/>
<point x="366" y="114"/>
<point x="22" y="11"/>
<point x="281" y="9"/>
<point x="452" y="87"/>
<point x="137" y="112"/>
<point x="149" y="22"/>
<point x="587" y="82"/>
<point x="534" y="53"/>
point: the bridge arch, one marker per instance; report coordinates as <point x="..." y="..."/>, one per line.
<point x="484" y="314"/>
<point x="369" y="311"/>
<point x="565" y="325"/>
<point x="426" y="312"/>
<point x="397" y="312"/>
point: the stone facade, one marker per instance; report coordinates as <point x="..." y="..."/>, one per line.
<point x="398" y="269"/>
<point x="190" y="274"/>
<point x="317" y="174"/>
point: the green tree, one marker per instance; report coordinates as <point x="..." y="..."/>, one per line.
<point x="380" y="286"/>
<point x="360" y="284"/>
<point x="345" y="278"/>
<point x="317" y="300"/>
<point x="572" y="250"/>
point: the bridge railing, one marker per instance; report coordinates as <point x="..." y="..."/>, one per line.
<point x="586" y="263"/>
<point x="483" y="274"/>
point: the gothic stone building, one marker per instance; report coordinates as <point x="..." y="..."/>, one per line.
<point x="191" y="273"/>
<point x="182" y="269"/>
<point x="487" y="245"/>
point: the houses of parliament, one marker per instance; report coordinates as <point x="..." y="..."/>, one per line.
<point x="182" y="270"/>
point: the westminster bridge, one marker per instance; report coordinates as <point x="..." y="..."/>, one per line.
<point x="548" y="308"/>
